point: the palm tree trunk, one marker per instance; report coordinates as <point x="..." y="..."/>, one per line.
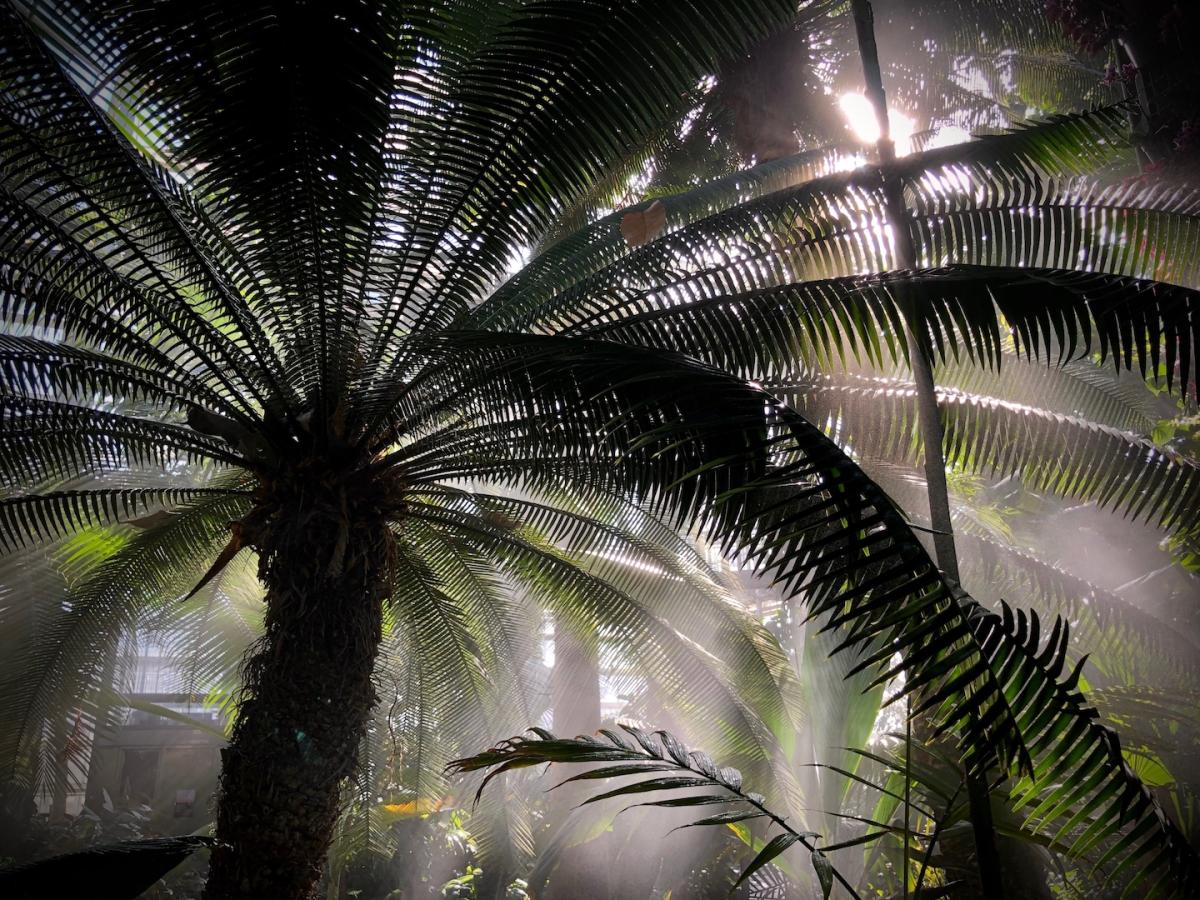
<point x="575" y="682"/>
<point x="308" y="697"/>
<point x="575" y="695"/>
<point x="929" y="419"/>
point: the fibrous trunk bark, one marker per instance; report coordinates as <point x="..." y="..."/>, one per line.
<point x="308" y="694"/>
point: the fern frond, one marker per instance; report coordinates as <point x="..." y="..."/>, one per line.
<point x="646" y="756"/>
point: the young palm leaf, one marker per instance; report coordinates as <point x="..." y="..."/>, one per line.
<point x="673" y="768"/>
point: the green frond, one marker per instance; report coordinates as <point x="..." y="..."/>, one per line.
<point x="665" y="583"/>
<point x="827" y="228"/>
<point x="42" y="440"/>
<point x="1151" y="718"/>
<point x="439" y="644"/>
<point x="934" y="89"/>
<point x="1019" y="24"/>
<point x="972" y="314"/>
<point x="504" y="624"/>
<point x="574" y="104"/>
<point x="658" y="169"/>
<point x="685" y="438"/>
<point x="1083" y="792"/>
<point x="1088" y="803"/>
<point x="62" y="660"/>
<point x="1051" y="452"/>
<point x="1121" y="639"/>
<point x="1079" y="388"/>
<point x="632" y="752"/>
<point x="600" y="244"/>
<point x="80" y="179"/>
<point x="52" y="287"/>
<point x="1046" y="79"/>
<point x="41" y="518"/>
<point x="688" y="674"/>
<point x="205" y="639"/>
<point x="1142" y="232"/>
<point x="36" y="368"/>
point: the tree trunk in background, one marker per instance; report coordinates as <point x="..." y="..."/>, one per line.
<point x="308" y="698"/>
<point x="575" y="695"/>
<point x="58" y="791"/>
<point x="93" y="791"/>
<point x="575" y="682"/>
<point x="929" y="417"/>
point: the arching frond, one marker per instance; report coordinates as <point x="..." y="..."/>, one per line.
<point x="1083" y="791"/>
<point x="1121" y="639"/>
<point x="1051" y="452"/>
<point x="43" y="369"/>
<point x="441" y="657"/>
<point x="1078" y="388"/>
<point x="42" y="440"/>
<point x="80" y="179"/>
<point x="601" y="244"/>
<point x="40" y="518"/>
<point x="205" y="639"/>
<point x="830" y="227"/>
<point x="665" y="582"/>
<point x="53" y="287"/>
<point x="682" y="668"/>
<point x="62" y="660"/>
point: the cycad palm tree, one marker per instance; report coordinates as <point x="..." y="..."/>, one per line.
<point x="266" y="241"/>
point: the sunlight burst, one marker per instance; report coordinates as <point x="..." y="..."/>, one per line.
<point x="860" y="119"/>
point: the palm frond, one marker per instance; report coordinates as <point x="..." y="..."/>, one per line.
<point x="686" y="595"/>
<point x="440" y="643"/>
<point x="205" y="639"/>
<point x="31" y="367"/>
<point x="108" y="600"/>
<point x="53" y="287"/>
<point x="645" y="756"/>
<point x="125" y="870"/>
<point x="1083" y="790"/>
<point x="45" y="440"/>
<point x="1122" y="639"/>
<point x="1079" y="388"/>
<point x="689" y="675"/>
<point x="829" y="227"/>
<point x="81" y="180"/>
<point x="44" y="517"/>
<point x="1051" y="452"/>
<point x="600" y="244"/>
<point x="785" y="515"/>
<point x="285" y="220"/>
